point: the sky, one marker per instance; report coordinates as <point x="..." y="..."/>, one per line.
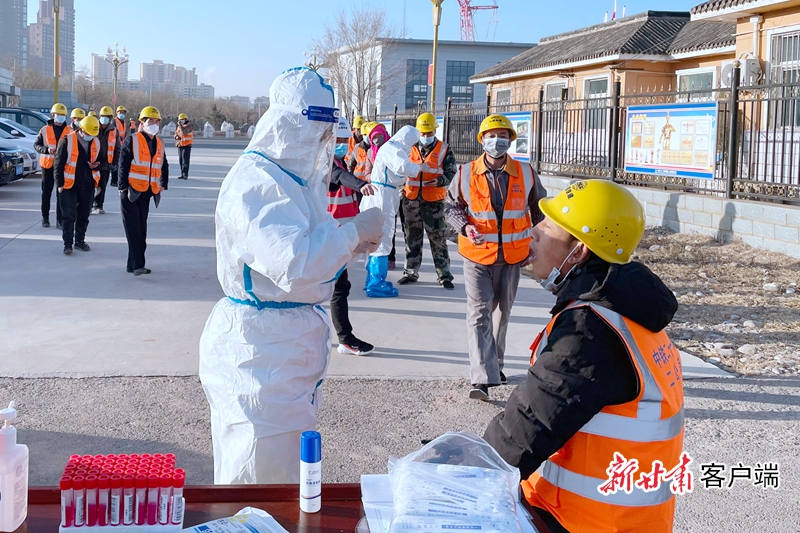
<point x="239" y="46"/>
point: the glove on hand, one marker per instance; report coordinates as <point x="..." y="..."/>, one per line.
<point x="366" y="247"/>
<point x="369" y="224"/>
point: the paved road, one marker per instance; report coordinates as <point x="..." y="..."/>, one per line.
<point x="70" y="317"/>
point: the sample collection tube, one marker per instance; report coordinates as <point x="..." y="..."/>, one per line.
<point x="117" y="490"/>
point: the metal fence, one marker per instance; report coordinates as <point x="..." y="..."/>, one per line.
<point x="758" y="146"/>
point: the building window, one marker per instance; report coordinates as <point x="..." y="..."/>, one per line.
<point x="553" y="110"/>
<point x="416" y="82"/>
<point x="785" y="70"/>
<point x="699" y="82"/>
<point x="457" y="87"/>
<point x="596" y="95"/>
<point x="502" y="97"/>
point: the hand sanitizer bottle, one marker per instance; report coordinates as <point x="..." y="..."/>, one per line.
<point x="13" y="474"/>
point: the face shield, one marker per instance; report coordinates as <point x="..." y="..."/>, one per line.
<point x="298" y="131"/>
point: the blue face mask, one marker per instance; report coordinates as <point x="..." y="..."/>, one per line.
<point x="341" y="150"/>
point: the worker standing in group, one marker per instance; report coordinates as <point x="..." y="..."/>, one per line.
<point x="109" y="154"/>
<point x="184" y="138"/>
<point x="355" y="139"/>
<point x="76" y="116"/>
<point x="143" y="174"/>
<point x="423" y="203"/>
<point x="491" y="204"/>
<point x="77" y="177"/>
<point x="122" y="131"/>
<point x="46" y="144"/>
<point x="343" y="206"/>
<point x="604" y="377"/>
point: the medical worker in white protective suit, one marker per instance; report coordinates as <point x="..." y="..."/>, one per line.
<point x="266" y="346"/>
<point x="392" y="165"/>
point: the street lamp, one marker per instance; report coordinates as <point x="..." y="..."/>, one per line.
<point x="114" y="58"/>
<point x="437" y="18"/>
<point x="56" y="58"/>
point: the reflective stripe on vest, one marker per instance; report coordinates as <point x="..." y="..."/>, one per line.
<point x="516" y="222"/>
<point x="648" y="428"/>
<point x="185" y="139"/>
<point x="145" y="171"/>
<point x="50" y="141"/>
<point x="112" y="144"/>
<point x="435" y="161"/>
<point x="71" y="167"/>
<point x="360" y="170"/>
<point x="342" y="202"/>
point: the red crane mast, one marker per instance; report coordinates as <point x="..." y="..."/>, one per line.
<point x="467" y="18"/>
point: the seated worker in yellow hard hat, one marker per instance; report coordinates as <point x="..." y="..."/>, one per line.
<point x="492" y="204"/>
<point x="604" y="377"/>
<point x="45" y="144"/>
<point x="143" y="174"/>
<point x="76" y="116"/>
<point x="422" y="207"/>
<point x="110" y="147"/>
<point x="184" y="139"/>
<point x="77" y="177"/>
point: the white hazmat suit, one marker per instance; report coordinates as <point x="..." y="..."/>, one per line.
<point x="266" y="346"/>
<point x="392" y="165"/>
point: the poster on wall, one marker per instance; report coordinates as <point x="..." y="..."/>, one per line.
<point x="440" y="128"/>
<point x="388" y="125"/>
<point x="672" y="140"/>
<point x="521" y="148"/>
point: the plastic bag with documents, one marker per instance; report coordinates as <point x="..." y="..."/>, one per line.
<point x="457" y="481"/>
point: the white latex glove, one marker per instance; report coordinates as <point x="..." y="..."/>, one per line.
<point x="369" y="224"/>
<point x="366" y="247"/>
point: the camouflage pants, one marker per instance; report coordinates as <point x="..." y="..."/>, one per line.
<point x="425" y="217"/>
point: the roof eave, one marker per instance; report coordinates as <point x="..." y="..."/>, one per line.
<point x="733" y="13"/>
<point x="705" y="52"/>
<point x="570" y="65"/>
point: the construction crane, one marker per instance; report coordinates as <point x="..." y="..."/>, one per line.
<point x="467" y="18"/>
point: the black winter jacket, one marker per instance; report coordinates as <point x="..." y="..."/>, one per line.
<point x="585" y="365"/>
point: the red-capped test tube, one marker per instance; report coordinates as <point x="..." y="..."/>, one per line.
<point x="91" y="501"/>
<point x="115" y="501"/>
<point x="103" y="496"/>
<point x="79" y="493"/>
<point x="153" y="484"/>
<point x="128" y="499"/>
<point x="141" y="500"/>
<point x="67" y="502"/>
<point x="164" y="493"/>
<point x="176" y="514"/>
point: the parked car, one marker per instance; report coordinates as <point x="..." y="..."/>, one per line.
<point x="30" y="161"/>
<point x="23" y="134"/>
<point x="22" y="142"/>
<point x="31" y="119"/>
<point x="11" y="163"/>
<point x="16" y="129"/>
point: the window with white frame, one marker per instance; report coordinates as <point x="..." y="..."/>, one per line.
<point x="555" y="94"/>
<point x="502" y="97"/>
<point x="785" y="72"/>
<point x="595" y="92"/>
<point x="700" y="82"/>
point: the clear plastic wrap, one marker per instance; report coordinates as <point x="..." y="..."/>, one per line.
<point x="455" y="482"/>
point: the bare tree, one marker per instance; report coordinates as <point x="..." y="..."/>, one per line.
<point x="351" y="56"/>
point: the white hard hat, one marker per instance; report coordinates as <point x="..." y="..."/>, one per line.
<point x="344" y="129"/>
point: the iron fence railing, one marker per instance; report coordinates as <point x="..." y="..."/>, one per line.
<point x="757" y="146"/>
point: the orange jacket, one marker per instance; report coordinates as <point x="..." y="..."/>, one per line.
<point x="516" y="225"/>
<point x="435" y="161"/>
<point x="50" y="141"/>
<point x="647" y="429"/>
<point x="70" y="168"/>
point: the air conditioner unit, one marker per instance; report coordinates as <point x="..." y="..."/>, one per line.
<point x="751" y="73"/>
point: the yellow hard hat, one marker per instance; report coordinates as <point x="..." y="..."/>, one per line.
<point x="77" y="113"/>
<point x="90" y="125"/>
<point x="367" y="127"/>
<point x="603" y="215"/>
<point x="358" y="121"/>
<point x="59" y="109"/>
<point x="493" y="122"/>
<point x="149" y="112"/>
<point x="426" y="123"/>
<point x="106" y="111"/>
<point x="121" y="108"/>
<point x="92" y="114"/>
<point x="183" y="116"/>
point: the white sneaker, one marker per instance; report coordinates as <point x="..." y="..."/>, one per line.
<point x="95" y="211"/>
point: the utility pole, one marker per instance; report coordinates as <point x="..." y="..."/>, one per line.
<point x="437" y="18"/>
<point x="116" y="62"/>
<point x="56" y="57"/>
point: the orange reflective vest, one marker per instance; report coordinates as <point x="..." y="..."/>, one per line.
<point x="360" y="171"/>
<point x="72" y="160"/>
<point x="133" y="126"/>
<point x="342" y="203"/>
<point x="351" y="143"/>
<point x="145" y="170"/>
<point x="648" y="428"/>
<point x="49" y="137"/>
<point x="435" y="161"/>
<point x="120" y="128"/>
<point x="112" y="144"/>
<point x="516" y="226"/>
<point x="184" y="139"/>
